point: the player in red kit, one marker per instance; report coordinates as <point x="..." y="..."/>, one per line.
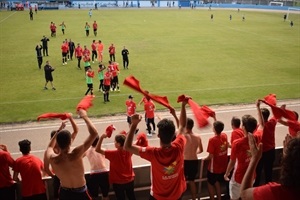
<point x="95" y="27"/>
<point x="112" y="51"/>
<point x="94" y="50"/>
<point x="78" y="54"/>
<point x="64" y="52"/>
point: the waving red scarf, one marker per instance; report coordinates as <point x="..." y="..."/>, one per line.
<point x="62" y="116"/>
<point x="134" y="84"/>
<point x="85" y="103"/>
<point x="201" y="114"/>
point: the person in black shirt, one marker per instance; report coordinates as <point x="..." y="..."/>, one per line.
<point x="45" y="41"/>
<point x="48" y="75"/>
<point x="125" y="53"/>
<point x="71" y="48"/>
<point x="39" y="56"/>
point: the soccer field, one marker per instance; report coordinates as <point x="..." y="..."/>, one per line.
<point x="172" y="52"/>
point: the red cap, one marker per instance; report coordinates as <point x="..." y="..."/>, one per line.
<point x="141" y="140"/>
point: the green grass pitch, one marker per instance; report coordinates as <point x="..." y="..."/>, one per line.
<point x="172" y="52"/>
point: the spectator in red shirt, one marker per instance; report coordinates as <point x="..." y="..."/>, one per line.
<point x="121" y="174"/>
<point x="112" y="51"/>
<point x="167" y="174"/>
<point x="289" y="185"/>
<point x="268" y="156"/>
<point x="7" y="186"/>
<point x="31" y="168"/>
<point x="240" y="154"/>
<point x="217" y="149"/>
<point x="237" y="132"/>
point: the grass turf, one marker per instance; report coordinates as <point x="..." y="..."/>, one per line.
<point x="171" y="52"/>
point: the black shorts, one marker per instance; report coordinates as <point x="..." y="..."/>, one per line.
<point x="95" y="30"/>
<point x="191" y="168"/>
<point x="212" y="178"/>
<point x="64" y="54"/>
<point x="49" y="78"/>
<point x="90" y="85"/>
<point x="98" y="180"/>
<point x="74" y="193"/>
<point x="115" y="79"/>
<point x="128" y="119"/>
<point x="106" y="88"/>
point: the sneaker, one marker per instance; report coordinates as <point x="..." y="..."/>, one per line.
<point x="45" y="88"/>
<point x="111" y="89"/>
<point x="66" y="63"/>
<point x="119" y="90"/>
<point x="53" y="88"/>
<point x="93" y="62"/>
<point x="153" y="132"/>
<point x="63" y="63"/>
<point x="149" y="134"/>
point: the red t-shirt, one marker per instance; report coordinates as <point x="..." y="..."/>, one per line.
<point x="167" y="174"/>
<point x="218" y="146"/>
<point x="64" y="48"/>
<point x="100" y="47"/>
<point x="131" y="106"/>
<point x="86" y="52"/>
<point x="115" y="69"/>
<point x="240" y="152"/>
<point x="30" y="168"/>
<point x="120" y="166"/>
<point x="6" y="161"/>
<point x="78" y="52"/>
<point x="236" y="134"/>
<point x="275" y="191"/>
<point x="294" y="127"/>
<point x="94" y="46"/>
<point x="107" y="78"/>
<point x="95" y="25"/>
<point x="149" y="108"/>
<point x="268" y="136"/>
<point x="111" y="50"/>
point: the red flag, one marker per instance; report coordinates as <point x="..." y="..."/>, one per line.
<point x="62" y="116"/>
<point x="123" y="132"/>
<point x="141" y="140"/>
<point x="271" y="99"/>
<point x="85" y="103"/>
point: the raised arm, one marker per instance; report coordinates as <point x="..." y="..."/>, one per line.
<point x="99" y="144"/>
<point x="259" y="115"/>
<point x="128" y="146"/>
<point x="92" y="131"/>
<point x="256" y="152"/>
<point x="173" y="113"/>
<point x="74" y="126"/>
<point x="182" y="118"/>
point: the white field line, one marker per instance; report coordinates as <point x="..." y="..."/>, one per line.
<point x="7" y="17"/>
<point x="161" y="92"/>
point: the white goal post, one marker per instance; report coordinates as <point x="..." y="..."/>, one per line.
<point x="275" y="3"/>
<point x="292" y="10"/>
